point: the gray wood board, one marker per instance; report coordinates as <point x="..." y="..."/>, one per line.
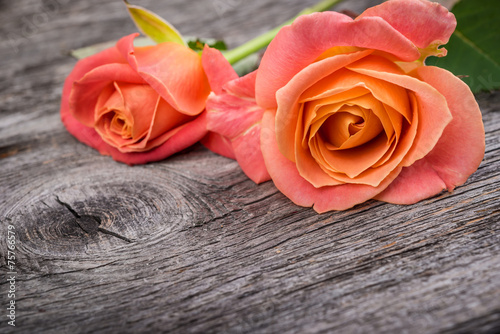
<point x="189" y="244"/>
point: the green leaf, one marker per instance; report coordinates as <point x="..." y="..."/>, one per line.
<point x="153" y="25"/>
<point x="93" y="49"/>
<point x="198" y="44"/>
<point x="473" y="49"/>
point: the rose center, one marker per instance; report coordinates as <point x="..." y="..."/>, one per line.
<point x="356" y="127"/>
<point x="349" y="127"/>
<point x="341" y="126"/>
<point x="120" y="126"/>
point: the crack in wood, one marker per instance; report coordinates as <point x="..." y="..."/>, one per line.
<point x="67" y="206"/>
<point x="114" y="234"/>
<point x="90" y="224"/>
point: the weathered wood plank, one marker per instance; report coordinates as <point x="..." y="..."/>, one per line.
<point x="190" y="244"/>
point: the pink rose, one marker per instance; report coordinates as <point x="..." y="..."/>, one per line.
<point x="137" y="104"/>
<point x="351" y="113"/>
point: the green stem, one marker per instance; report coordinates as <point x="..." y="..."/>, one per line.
<point x="263" y="40"/>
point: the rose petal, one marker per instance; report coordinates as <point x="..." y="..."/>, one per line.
<point x="114" y="122"/>
<point x="232" y="112"/>
<point x="180" y="138"/>
<point x="229" y="114"/>
<point x="165" y="118"/>
<point x="311" y="108"/>
<point x="395" y="154"/>
<point x="287" y="179"/>
<point x="306" y="165"/>
<point x="140" y="101"/>
<point x="82" y="67"/>
<point x="173" y="70"/>
<point x="311" y="35"/>
<point x="354" y="161"/>
<point x="86" y="91"/>
<point x="288" y="96"/>
<point x="235" y="117"/>
<point x="249" y="155"/>
<point x="109" y="98"/>
<point x="387" y="93"/>
<point x="433" y="110"/>
<point x="244" y="86"/>
<point x="422" y="22"/>
<point x="458" y="152"/>
<point x="165" y="123"/>
<point x="217" y="69"/>
<point x="414" y="183"/>
<point x="219" y="144"/>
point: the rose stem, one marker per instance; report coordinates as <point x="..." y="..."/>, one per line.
<point x="263" y="40"/>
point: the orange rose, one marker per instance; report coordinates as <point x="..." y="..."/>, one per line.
<point x="137" y="104"/>
<point x="350" y="111"/>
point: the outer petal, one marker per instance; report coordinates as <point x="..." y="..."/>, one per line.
<point x="287" y="179"/>
<point x="244" y="86"/>
<point x="85" y="93"/>
<point x="230" y="114"/>
<point x="422" y="22"/>
<point x="181" y="138"/>
<point x="413" y="184"/>
<point x="235" y="118"/>
<point x="311" y="35"/>
<point x="219" y="144"/>
<point x="249" y="155"/>
<point x="217" y="69"/>
<point x="104" y="61"/>
<point x="108" y="56"/>
<point x="457" y="154"/>
<point x="173" y="70"/>
<point x="165" y="118"/>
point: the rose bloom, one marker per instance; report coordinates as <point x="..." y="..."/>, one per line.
<point x="347" y="110"/>
<point x="137" y="104"/>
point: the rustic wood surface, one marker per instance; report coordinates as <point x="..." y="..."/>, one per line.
<point x="190" y="245"/>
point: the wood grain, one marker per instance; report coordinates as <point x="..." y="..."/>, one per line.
<point x="190" y="245"/>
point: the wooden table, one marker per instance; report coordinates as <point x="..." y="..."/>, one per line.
<point x="189" y="244"/>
